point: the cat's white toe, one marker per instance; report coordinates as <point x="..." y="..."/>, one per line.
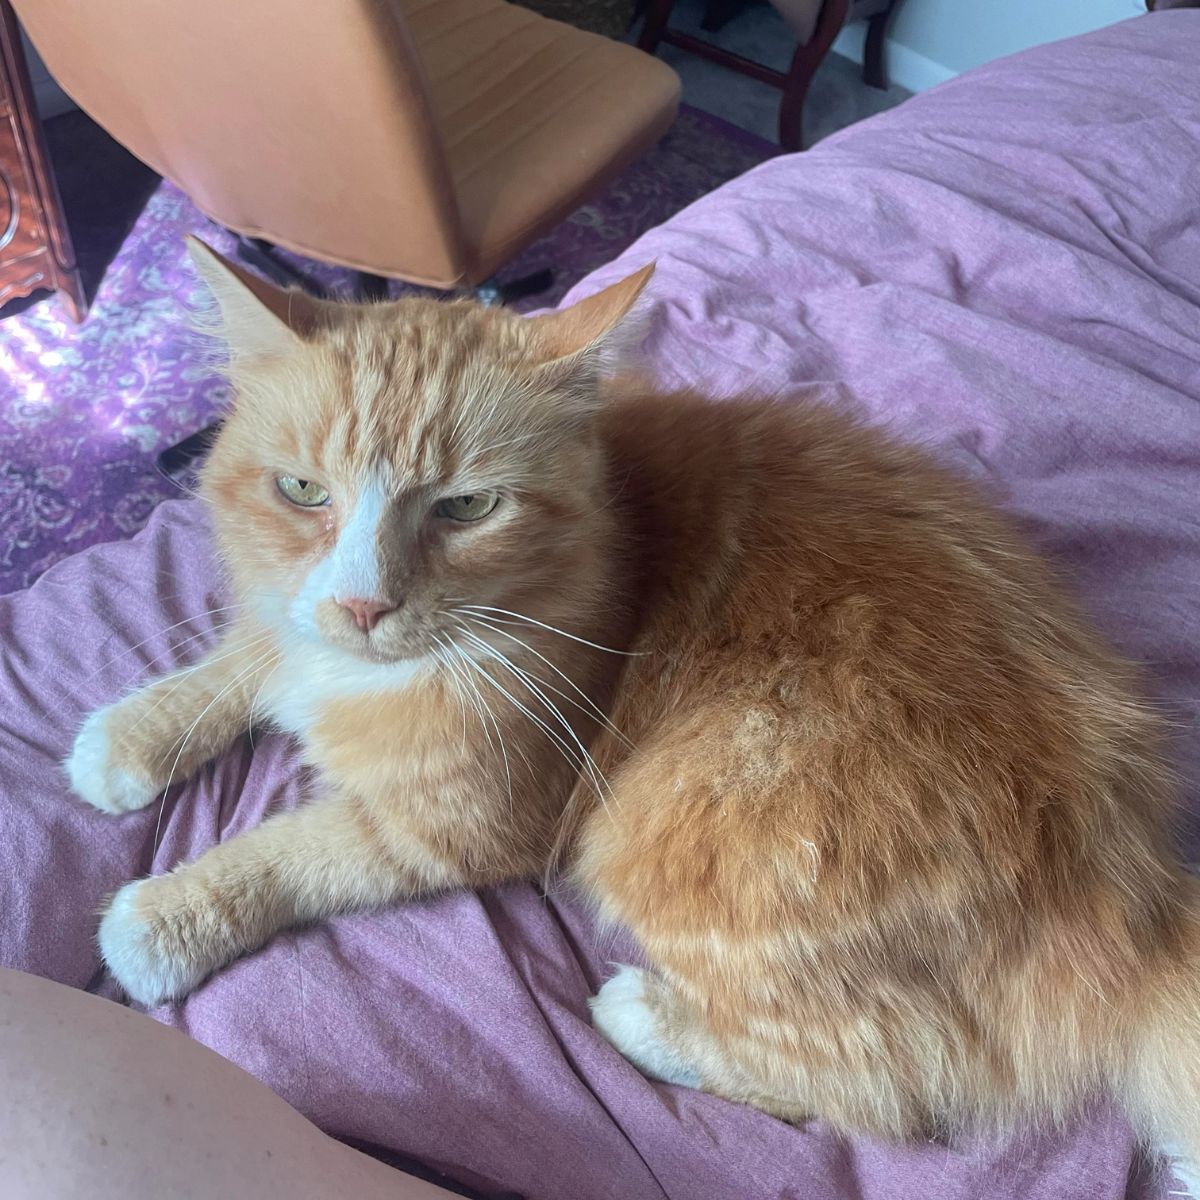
<point x="131" y="948"/>
<point x="620" y="1011"/>
<point x="96" y="778"/>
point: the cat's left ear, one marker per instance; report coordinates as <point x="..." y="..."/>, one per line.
<point x="258" y="320"/>
<point x="578" y="334"/>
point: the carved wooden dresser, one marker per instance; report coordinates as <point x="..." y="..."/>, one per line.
<point x="35" y="246"/>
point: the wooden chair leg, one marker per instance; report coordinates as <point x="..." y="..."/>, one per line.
<point x="874" y="65"/>
<point x="658" y="13"/>
<point x="804" y="66"/>
<point x="791" y="113"/>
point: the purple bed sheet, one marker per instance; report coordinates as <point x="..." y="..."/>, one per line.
<point x="1006" y="269"/>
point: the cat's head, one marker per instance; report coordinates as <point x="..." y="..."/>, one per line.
<point x="385" y="465"/>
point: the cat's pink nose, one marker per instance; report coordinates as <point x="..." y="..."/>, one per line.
<point x="366" y="613"/>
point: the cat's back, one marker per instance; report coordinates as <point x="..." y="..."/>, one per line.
<point x="748" y="514"/>
<point x="840" y="598"/>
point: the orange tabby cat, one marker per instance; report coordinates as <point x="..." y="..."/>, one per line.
<point x="803" y="713"/>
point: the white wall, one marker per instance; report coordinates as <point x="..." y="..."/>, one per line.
<point x="932" y="40"/>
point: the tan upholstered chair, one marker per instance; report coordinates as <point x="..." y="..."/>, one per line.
<point x="814" y="22"/>
<point x="426" y="140"/>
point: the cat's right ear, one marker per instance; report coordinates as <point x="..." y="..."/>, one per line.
<point x="257" y="319"/>
<point x="578" y="332"/>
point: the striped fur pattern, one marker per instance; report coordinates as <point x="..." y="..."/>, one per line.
<point x="798" y="709"/>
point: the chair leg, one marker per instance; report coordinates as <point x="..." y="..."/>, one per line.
<point x="874" y="64"/>
<point x="804" y="66"/>
<point x="494" y="293"/>
<point x="658" y="12"/>
<point x="791" y="114"/>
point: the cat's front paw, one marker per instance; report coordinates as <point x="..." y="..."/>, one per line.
<point x="146" y="950"/>
<point x="100" y="774"/>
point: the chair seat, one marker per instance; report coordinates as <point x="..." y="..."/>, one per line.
<point x="534" y="115"/>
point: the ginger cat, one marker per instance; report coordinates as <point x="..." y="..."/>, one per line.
<point x="796" y="707"/>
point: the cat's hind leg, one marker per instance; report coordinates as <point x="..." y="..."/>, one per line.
<point x="790" y="1075"/>
<point x="648" y="1020"/>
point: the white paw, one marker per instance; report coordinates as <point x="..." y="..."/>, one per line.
<point x="96" y="779"/>
<point x="131" y="948"/>
<point x="621" y="1013"/>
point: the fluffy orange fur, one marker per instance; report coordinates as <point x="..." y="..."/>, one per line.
<point x="800" y="710"/>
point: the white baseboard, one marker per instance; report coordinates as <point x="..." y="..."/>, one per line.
<point x="905" y="66"/>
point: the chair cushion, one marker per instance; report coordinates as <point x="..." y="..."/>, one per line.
<point x="534" y="114"/>
<point x="802" y="15"/>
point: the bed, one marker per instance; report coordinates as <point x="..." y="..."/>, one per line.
<point x="1006" y="269"/>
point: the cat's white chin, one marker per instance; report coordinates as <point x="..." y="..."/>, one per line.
<point x="131" y="951"/>
<point x="365" y="651"/>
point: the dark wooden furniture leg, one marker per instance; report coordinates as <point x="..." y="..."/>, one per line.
<point x="874" y="66"/>
<point x="658" y="13"/>
<point x="804" y="66"/>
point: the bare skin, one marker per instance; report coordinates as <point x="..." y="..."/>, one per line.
<point x="102" y="1102"/>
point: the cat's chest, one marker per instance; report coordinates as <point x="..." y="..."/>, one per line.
<point x="312" y="681"/>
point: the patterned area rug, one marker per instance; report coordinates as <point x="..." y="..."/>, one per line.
<point x="85" y="411"/>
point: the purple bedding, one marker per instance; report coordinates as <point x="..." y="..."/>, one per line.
<point x="1007" y="269"/>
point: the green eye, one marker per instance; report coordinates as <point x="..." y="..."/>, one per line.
<point x="473" y="507"/>
<point x="302" y="492"/>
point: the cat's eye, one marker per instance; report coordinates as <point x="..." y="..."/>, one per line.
<point x="302" y="492"/>
<point x="472" y="507"/>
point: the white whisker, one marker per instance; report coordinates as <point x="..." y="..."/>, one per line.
<point x="490" y="716"/>
<point x="190" y="493"/>
<point x="485" y="623"/>
<point x="580" y="760"/>
<point x="258" y="696"/>
<point x="535" y="686"/>
<point x="485" y="608"/>
<point x="181" y="677"/>
<point x="258" y="662"/>
<point x="440" y="655"/>
<point x="210" y="612"/>
<point x="472" y="695"/>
